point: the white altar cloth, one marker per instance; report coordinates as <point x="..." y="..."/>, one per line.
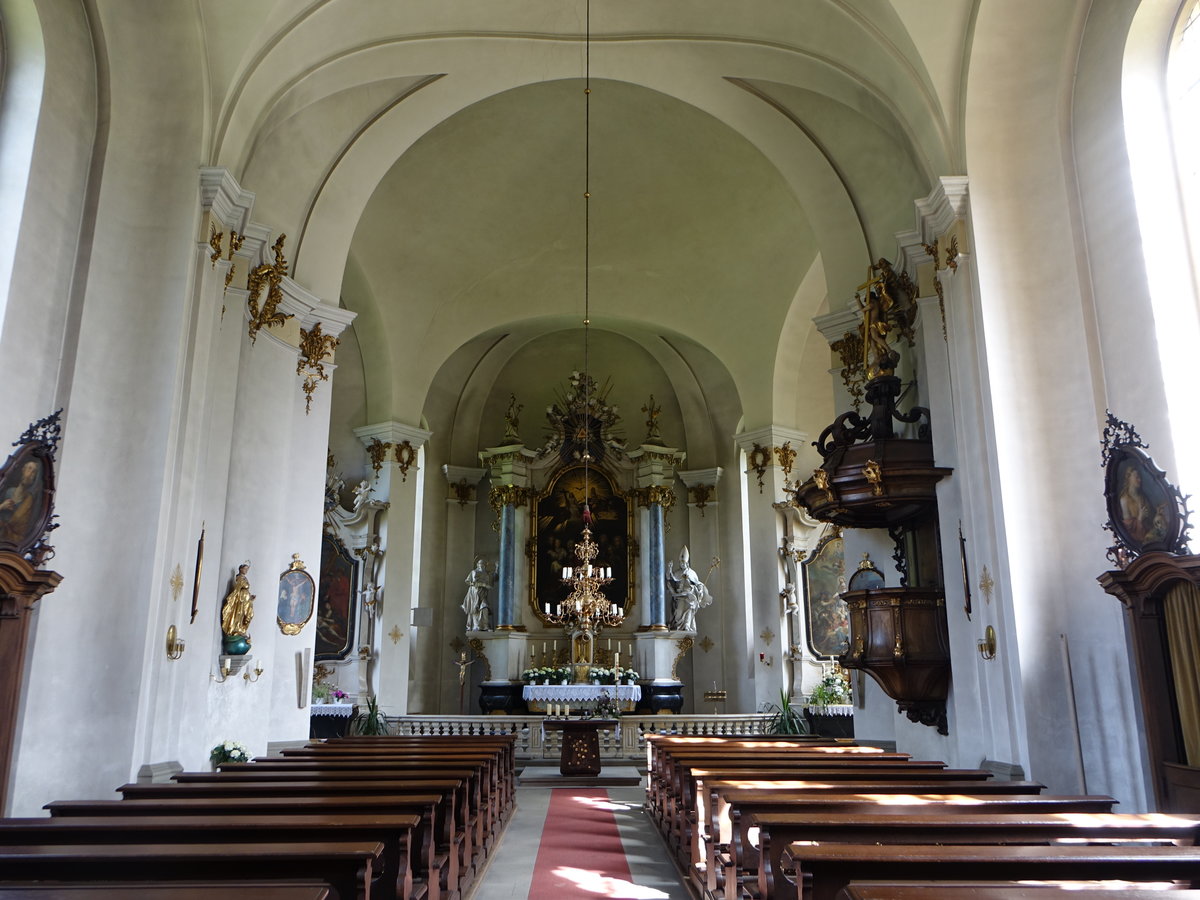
<point x="833" y="709"/>
<point x="342" y="710"/>
<point x="581" y="693"/>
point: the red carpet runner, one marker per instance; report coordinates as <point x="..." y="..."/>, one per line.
<point x="581" y="853"/>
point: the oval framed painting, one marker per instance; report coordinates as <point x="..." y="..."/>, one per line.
<point x="26" y="498"/>
<point x="1145" y="511"/>
<point x="297" y="598"/>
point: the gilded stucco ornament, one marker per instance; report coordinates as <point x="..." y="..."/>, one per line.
<point x="684" y="645"/>
<point x="701" y="494"/>
<point x="378" y="451"/>
<point x="270" y="276"/>
<point x="850" y="351"/>
<point x="315" y="349"/>
<point x="759" y="459"/>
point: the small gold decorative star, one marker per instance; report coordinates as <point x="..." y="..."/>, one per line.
<point x="706" y="643"/>
<point x="176" y="582"/>
<point x="986" y="584"/>
<point x="767" y="636"/>
<point x="395" y="634"/>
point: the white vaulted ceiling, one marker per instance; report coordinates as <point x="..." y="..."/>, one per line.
<point x="747" y="161"/>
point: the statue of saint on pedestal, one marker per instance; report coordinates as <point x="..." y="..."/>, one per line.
<point x="475" y="604"/>
<point x="690" y="593"/>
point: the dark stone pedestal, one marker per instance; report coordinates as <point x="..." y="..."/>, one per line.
<point x="501" y="696"/>
<point x="580" y="744"/>
<point x="663" y="697"/>
<point x="830" y="726"/>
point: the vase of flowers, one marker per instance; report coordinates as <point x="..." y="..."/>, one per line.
<point x="339" y="696"/>
<point x="628" y="676"/>
<point x="228" y="751"/>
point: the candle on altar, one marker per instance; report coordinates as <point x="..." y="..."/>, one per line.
<point x="617" y="660"/>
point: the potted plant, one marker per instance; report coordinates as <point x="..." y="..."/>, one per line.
<point x="228" y="751"/>
<point x="370" y="721"/>
<point x="321" y="692"/>
<point x="628" y="676"/>
<point x="785" y="718"/>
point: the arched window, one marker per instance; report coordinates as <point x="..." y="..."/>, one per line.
<point x="1160" y="101"/>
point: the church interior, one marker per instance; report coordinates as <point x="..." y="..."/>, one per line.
<point x="846" y="327"/>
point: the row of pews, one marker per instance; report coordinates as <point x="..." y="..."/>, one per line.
<point x="413" y="818"/>
<point x="779" y="818"/>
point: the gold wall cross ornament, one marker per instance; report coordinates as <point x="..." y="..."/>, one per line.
<point x="395" y="634"/>
<point x="315" y="349"/>
<point x="706" y="643"/>
<point x="767" y="635"/>
<point x="176" y="581"/>
<point x="270" y="276"/>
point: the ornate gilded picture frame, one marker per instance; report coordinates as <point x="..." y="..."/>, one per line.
<point x="1146" y="512"/>
<point x="26" y="496"/>
<point x="336" y="606"/>
<point x="826" y="618"/>
<point x="558" y="525"/>
<point x="296" y="600"/>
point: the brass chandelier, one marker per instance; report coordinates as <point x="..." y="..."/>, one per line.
<point x="586" y="610"/>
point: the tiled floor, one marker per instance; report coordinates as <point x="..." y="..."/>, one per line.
<point x="510" y="870"/>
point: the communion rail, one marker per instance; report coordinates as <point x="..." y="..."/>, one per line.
<point x="628" y="741"/>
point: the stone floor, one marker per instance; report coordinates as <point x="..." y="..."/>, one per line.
<point x="510" y="870"/>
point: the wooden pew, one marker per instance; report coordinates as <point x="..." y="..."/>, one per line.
<point x="734" y="850"/>
<point x="820" y="871"/>
<point x="938" y="826"/>
<point x="432" y="862"/>
<point x="345" y="865"/>
<point x="455" y="835"/>
<point x="710" y="811"/>
<point x="976" y="890"/>
<point x="504" y="775"/>
<point x="480" y="815"/>
<point x="284" y="889"/>
<point x="394" y="876"/>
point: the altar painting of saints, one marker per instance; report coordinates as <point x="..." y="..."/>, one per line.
<point x="826" y="614"/>
<point x="559" y="524"/>
<point x="335" y="601"/>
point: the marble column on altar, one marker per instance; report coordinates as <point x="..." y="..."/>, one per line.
<point x="504" y="647"/>
<point x="396" y="449"/>
<point x="657" y="649"/>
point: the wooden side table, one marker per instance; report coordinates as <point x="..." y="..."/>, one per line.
<point x="580" y="744"/>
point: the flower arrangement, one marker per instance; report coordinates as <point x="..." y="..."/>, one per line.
<point x="627" y="676"/>
<point x="228" y="751"/>
<point x="552" y="674"/>
<point x="322" y="692"/>
<point x="604" y="707"/>
<point x="831" y="689"/>
<point x="602" y="675"/>
<point x="339" y="696"/>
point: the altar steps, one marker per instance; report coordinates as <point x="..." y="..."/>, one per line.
<point x="538" y="774"/>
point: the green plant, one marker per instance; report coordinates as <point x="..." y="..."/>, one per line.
<point x="785" y="718"/>
<point x="831" y="689"/>
<point x="228" y="751"/>
<point x="370" y="721"/>
<point x="321" y="692"/>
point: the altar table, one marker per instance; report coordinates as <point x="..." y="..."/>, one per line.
<point x="580" y="743"/>
<point x="330" y="719"/>
<point x="574" y="694"/>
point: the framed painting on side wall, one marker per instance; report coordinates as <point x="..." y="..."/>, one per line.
<point x="826" y="619"/>
<point x="336" y="605"/>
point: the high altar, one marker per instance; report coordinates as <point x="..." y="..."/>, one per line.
<point x="581" y="550"/>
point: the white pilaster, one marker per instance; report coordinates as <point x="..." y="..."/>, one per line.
<point x="399" y="481"/>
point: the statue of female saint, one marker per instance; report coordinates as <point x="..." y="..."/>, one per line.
<point x="479" y="582"/>
<point x="239" y="605"/>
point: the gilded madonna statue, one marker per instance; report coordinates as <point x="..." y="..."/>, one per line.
<point x="237" y="612"/>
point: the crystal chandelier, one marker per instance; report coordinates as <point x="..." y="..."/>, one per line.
<point x="586" y="611"/>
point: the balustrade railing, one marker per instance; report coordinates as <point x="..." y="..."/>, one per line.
<point x="628" y="741"/>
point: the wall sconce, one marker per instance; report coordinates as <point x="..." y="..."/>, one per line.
<point x="987" y="646"/>
<point x="175" y="644"/>
<point x="258" y="670"/>
<point x="231" y="665"/>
